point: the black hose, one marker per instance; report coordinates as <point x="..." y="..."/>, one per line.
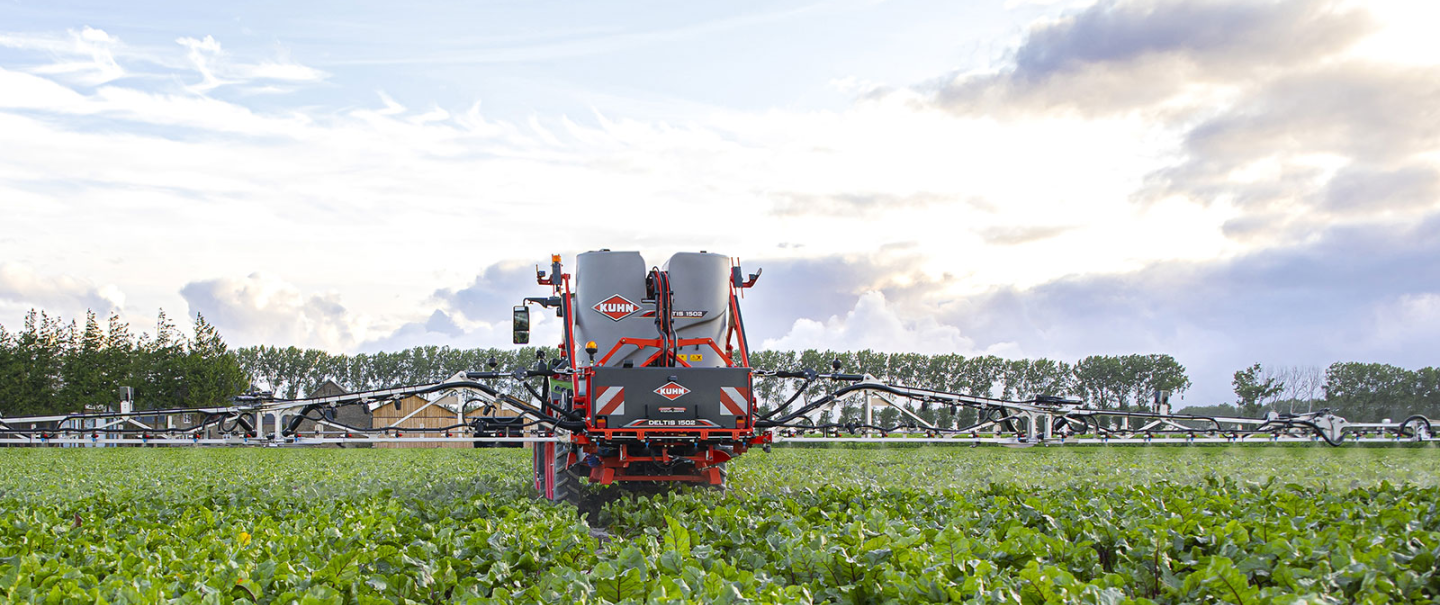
<point x="808" y="381"/>
<point x="1429" y="428"/>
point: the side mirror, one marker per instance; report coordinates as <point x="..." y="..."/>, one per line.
<point x="521" y="323"/>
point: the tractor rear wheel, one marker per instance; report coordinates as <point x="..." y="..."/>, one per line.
<point x="555" y="478"/>
<point x="569" y="484"/>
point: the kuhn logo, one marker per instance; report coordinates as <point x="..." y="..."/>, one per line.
<point x="672" y="391"/>
<point x="616" y="307"/>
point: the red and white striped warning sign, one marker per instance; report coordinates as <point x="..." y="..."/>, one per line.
<point x="610" y="401"/>
<point x="734" y="401"/>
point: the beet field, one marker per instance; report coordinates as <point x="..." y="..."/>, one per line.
<point x="799" y="525"/>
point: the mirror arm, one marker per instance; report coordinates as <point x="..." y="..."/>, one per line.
<point x="544" y="301"/>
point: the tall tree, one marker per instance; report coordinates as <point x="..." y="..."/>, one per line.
<point x="1100" y="383"/>
<point x="214" y="375"/>
<point x="84" y="373"/>
<point x="1254" y="387"/>
<point x="1369" y="392"/>
<point x="1160" y="373"/>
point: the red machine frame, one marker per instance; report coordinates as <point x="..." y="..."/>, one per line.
<point x="716" y="445"/>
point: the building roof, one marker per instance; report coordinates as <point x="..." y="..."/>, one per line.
<point x="329" y="388"/>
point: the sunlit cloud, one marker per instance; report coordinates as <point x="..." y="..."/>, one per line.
<point x="1113" y="141"/>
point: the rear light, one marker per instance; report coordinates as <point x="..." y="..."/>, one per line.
<point x="600" y="422"/>
<point x="741" y="422"/>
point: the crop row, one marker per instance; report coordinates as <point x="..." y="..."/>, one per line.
<point x="895" y="525"/>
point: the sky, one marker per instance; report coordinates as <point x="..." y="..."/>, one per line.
<point x="1225" y="182"/>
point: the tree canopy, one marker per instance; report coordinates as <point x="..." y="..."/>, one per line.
<point x="53" y="366"/>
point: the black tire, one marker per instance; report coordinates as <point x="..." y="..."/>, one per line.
<point x="570" y="484"/>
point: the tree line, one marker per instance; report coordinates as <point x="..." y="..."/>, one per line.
<point x="1121" y="382"/>
<point x="1359" y="392"/>
<point x="291" y="372"/>
<point x="51" y="366"/>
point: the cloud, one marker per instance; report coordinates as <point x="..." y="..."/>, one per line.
<point x="92" y="57"/>
<point x="817" y="288"/>
<point x="1276" y="119"/>
<point x="261" y="309"/>
<point x="271" y="174"/>
<point x="443" y="328"/>
<point x="285" y="71"/>
<point x="217" y="69"/>
<point x="86" y="57"/>
<point x="442" y="323"/>
<point x="202" y="54"/>
<point x="1344" y="296"/>
<point x="872" y="324"/>
<point x="850" y="204"/>
<point x="1408" y="320"/>
<point x="439" y="329"/>
<point x="24" y="288"/>
<point x="1010" y="236"/>
<point x="989" y="211"/>
<point x="1365" y="189"/>
<point x="1222" y="36"/>
<point x="1341" y="138"/>
<point x="1120" y="56"/>
<point x="26" y="91"/>
<point x="492" y="293"/>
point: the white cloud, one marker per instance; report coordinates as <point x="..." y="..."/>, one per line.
<point x="264" y="309"/>
<point x="202" y="54"/>
<point x="434" y="115"/>
<point x="27" y="91"/>
<point x="284" y="71"/>
<point x="873" y="324"/>
<point x="217" y="68"/>
<point x="383" y="189"/>
<point x="93" y="57"/>
<point x="391" y="107"/>
<point x="1406" y="322"/>
<point x="86" y="57"/>
<point x="379" y="217"/>
<point x="23" y="288"/>
<point x="261" y="309"/>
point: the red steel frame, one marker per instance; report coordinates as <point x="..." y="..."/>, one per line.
<point x="612" y="468"/>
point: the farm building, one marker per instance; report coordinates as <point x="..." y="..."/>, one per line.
<point x="418" y="413"/>
<point x="357" y="416"/>
<point x="136" y="425"/>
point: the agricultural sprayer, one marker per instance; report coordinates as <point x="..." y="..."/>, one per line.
<point x="652" y="384"/>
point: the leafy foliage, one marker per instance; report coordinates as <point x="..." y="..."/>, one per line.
<point x="895" y="525"/>
<point x="1253" y="390"/>
<point x="1108" y="382"/>
<point x="52" y="366"/>
<point x="1369" y="392"/>
<point x="291" y="371"/>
